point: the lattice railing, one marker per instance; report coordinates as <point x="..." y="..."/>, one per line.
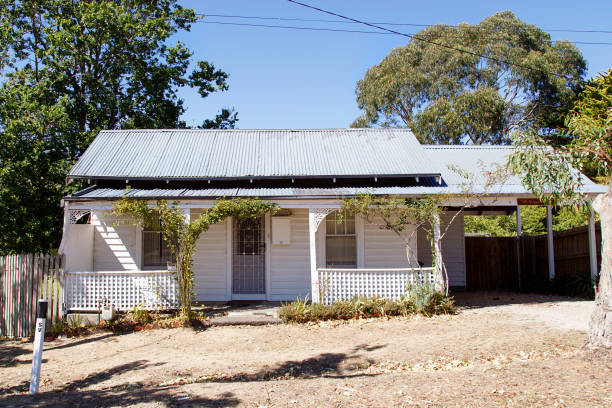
<point x="345" y="284"/>
<point x="125" y="290"/>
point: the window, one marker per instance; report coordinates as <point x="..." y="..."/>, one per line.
<point x="155" y="250"/>
<point x="340" y="242"/>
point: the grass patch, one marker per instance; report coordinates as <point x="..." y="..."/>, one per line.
<point x="422" y="299"/>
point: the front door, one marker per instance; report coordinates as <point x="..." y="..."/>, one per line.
<point x="249" y="259"/>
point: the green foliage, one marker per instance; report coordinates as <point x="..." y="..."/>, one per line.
<point x="533" y="220"/>
<point x="549" y="171"/>
<point x="420" y="300"/>
<point x="428" y="301"/>
<point x="400" y="215"/>
<point x="70" y="69"/>
<point x="181" y="235"/>
<point x="512" y="73"/>
<point x="139" y="315"/>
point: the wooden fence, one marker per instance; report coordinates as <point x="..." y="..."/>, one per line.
<point x="492" y="263"/>
<point x="23" y="280"/>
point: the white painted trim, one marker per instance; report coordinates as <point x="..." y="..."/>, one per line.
<point x="360" y="238"/>
<point x="314" y="274"/>
<point x="366" y="270"/>
<point x="437" y="250"/>
<point x="228" y="260"/>
<point x="592" y="247"/>
<point x="549" y="239"/>
<point x="268" y="254"/>
<point x="123" y="272"/>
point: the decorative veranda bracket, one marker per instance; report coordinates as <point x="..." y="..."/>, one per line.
<point x="319" y="215"/>
<point x="76" y="215"/>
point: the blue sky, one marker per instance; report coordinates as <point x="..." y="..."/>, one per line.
<point x="305" y="79"/>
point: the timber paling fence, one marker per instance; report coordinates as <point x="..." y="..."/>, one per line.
<point x="23" y="280"/>
<point x="493" y="263"/>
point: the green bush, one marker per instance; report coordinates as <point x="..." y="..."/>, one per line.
<point x="426" y="301"/>
<point x="577" y="285"/>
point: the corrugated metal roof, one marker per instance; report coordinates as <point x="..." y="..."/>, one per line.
<point x="201" y="154"/>
<point x="477" y="161"/>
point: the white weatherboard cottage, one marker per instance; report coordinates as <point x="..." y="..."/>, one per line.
<point x="291" y="254"/>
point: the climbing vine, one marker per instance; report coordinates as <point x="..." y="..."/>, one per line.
<point x="182" y="235"/>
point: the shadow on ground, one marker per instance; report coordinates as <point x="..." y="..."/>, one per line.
<point x="336" y="365"/>
<point x="75" y="394"/>
<point x="165" y="396"/>
<point x="478" y="299"/>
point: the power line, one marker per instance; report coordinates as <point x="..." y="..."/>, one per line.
<point x="424" y="40"/>
<point x="295" y="27"/>
<point x="344" y="30"/>
<point x="314" y="20"/>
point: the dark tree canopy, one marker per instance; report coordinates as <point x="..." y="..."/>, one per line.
<point x="69" y="69"/>
<point x="512" y="74"/>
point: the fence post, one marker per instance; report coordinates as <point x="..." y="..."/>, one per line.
<point x="549" y="238"/>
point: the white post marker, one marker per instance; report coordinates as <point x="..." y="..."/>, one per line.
<point x="39" y="337"/>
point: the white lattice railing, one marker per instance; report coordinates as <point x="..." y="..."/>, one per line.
<point x="345" y="284"/>
<point x="125" y="290"/>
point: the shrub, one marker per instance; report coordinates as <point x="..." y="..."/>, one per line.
<point x="428" y="301"/>
<point x="139" y="315"/>
<point x="425" y="301"/>
<point x="575" y="285"/>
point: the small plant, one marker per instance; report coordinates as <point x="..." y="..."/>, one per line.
<point x="139" y="315"/>
<point x="75" y="322"/>
<point x="426" y="301"/>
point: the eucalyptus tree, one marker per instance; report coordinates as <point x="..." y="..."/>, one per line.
<point x="70" y="68"/>
<point x="473" y="83"/>
<point x="549" y="172"/>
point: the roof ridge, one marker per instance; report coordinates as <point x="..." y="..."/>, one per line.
<point x="258" y="130"/>
<point x="467" y="147"/>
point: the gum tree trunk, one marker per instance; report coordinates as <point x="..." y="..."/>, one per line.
<point x="600" y="326"/>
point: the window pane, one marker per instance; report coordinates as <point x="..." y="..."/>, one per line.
<point x="347" y="226"/>
<point x="341" y="252"/>
<point x="155" y="251"/>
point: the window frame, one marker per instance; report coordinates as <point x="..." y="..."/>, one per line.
<point x="145" y="231"/>
<point x="332" y="217"/>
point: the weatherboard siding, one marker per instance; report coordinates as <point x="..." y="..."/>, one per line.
<point x="116" y="246"/>
<point x="383" y="248"/>
<point x="453" y="249"/>
<point x="210" y="263"/>
<point x="290" y="264"/>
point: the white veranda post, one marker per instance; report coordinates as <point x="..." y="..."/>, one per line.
<point x="437" y="249"/>
<point x="315" y="217"/>
<point x="592" y="248"/>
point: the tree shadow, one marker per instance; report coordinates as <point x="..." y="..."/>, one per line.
<point x="163" y="396"/>
<point x="334" y="365"/>
<point x="480" y="299"/>
<point x="73" y="394"/>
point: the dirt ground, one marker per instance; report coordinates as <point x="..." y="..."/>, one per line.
<point x="500" y="350"/>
